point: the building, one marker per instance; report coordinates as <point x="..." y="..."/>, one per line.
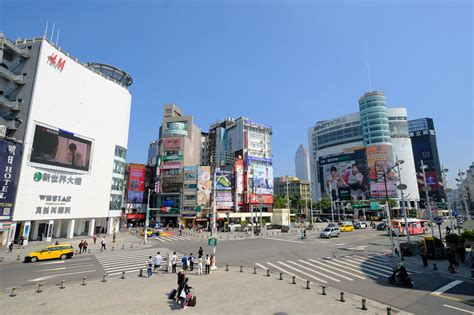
<point x="302" y="163"/>
<point x="72" y="160"/>
<point x="468" y="184"/>
<point x="293" y="186"/>
<point x="349" y="154"/>
<point x="425" y="148"/>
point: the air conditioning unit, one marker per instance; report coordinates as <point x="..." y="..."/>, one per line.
<point x="3" y="131"/>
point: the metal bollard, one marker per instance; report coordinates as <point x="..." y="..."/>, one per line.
<point x="324" y="290"/>
<point x="104" y="278"/>
<point x="281" y="275"/>
<point x="364" y="307"/>
<point x="13" y="292"/>
<point x="123" y="246"/>
<point x="294" y="280"/>
<point x="131" y="245"/>
<point x="241" y="270"/>
<point x="268" y="272"/>
<point x="389" y="310"/>
<point x="18" y="257"/>
<point x="141" y="273"/>
<point x="63" y="284"/>
<point x="342" y="297"/>
<point x="307" y="284"/>
<point x="112" y="248"/>
<point x="254" y="270"/>
<point x="435" y="267"/>
<point x="226" y="267"/>
<point x="123" y="274"/>
<point x="84" y="281"/>
<point x="40" y="288"/>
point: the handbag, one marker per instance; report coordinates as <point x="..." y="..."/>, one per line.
<point x="182" y="294"/>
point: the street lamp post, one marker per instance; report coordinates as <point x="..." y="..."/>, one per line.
<point x="147" y="218"/>
<point x="332" y="207"/>
<point x="311" y="202"/>
<point x="428" y="202"/>
<point x="463" y="196"/>
<point x="447" y="191"/>
<point x="402" y="187"/>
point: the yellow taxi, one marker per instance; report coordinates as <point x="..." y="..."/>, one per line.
<point x="150" y="232"/>
<point x="346" y="227"/>
<point x="61" y="251"/>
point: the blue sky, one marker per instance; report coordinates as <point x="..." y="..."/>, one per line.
<point x="283" y="63"/>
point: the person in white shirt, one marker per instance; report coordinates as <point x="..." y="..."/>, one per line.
<point x="200" y="265"/>
<point x="157" y="261"/>
<point x="174" y="262"/>
<point x="208" y="264"/>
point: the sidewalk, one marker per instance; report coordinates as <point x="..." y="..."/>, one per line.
<point x="221" y="292"/>
<point x="123" y="238"/>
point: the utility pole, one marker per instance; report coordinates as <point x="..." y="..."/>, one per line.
<point x="147" y="218"/>
<point x="447" y="191"/>
<point x="463" y="195"/>
<point x="311" y="202"/>
<point x="402" y="187"/>
<point x="428" y="202"/>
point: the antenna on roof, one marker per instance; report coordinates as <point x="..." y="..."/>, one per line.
<point x="52" y="32"/>
<point x="57" y="37"/>
<point x="368" y="75"/>
<point x="45" y="30"/>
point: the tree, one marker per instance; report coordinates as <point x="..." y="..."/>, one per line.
<point x="393" y="203"/>
<point x="325" y="203"/>
<point x="280" y="202"/>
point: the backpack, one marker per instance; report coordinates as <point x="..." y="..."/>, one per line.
<point x="192" y="301"/>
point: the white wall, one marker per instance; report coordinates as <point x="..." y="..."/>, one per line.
<point x="78" y="100"/>
<point x="401" y="148"/>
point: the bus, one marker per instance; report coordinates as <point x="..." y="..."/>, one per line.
<point x="415" y="226"/>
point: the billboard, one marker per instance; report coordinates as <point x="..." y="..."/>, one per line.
<point x="224" y="200"/>
<point x="256" y="199"/>
<point x="263" y="179"/>
<point x="224" y="180"/>
<point x="344" y="176"/>
<point x="239" y="176"/>
<point x="61" y="150"/>
<point x="379" y="160"/>
<point x="204" y="185"/>
<point x="10" y="161"/>
<point x="136" y="183"/>
<point x="171" y="143"/>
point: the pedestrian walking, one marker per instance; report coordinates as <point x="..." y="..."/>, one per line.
<point x="184" y="261"/>
<point x="174" y="262"/>
<point x="102" y="244"/>
<point x="149" y="266"/>
<point x="200" y="265"/>
<point x="84" y="247"/>
<point x="208" y="264"/>
<point x="10" y="247"/>
<point x="200" y="252"/>
<point x="81" y="245"/>
<point x="157" y="261"/>
<point x="94" y="238"/>
<point x="113" y="238"/>
<point x="461" y="252"/>
<point x="191" y="262"/>
<point x="452" y="260"/>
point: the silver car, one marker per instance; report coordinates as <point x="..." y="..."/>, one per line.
<point x="330" y="232"/>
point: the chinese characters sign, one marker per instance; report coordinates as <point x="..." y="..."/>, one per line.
<point x="57" y="178"/>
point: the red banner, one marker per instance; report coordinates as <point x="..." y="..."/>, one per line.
<point x="255" y="199"/>
<point x="135" y="216"/>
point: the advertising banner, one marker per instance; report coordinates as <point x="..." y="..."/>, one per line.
<point x="173" y="157"/>
<point x="136" y="183"/>
<point x="61" y="150"/>
<point x="379" y="160"/>
<point x="263" y="179"/>
<point x="255" y="199"/>
<point x="204" y="185"/>
<point x="171" y="164"/>
<point x="345" y="176"/>
<point x="224" y="200"/>
<point x="10" y="161"/>
<point x="171" y="143"/>
<point x="239" y="176"/>
<point x="224" y="180"/>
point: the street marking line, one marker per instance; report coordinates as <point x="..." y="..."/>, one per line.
<point x="369" y="268"/>
<point x="458" y="309"/>
<point x="329" y="271"/>
<point x="302" y="272"/>
<point x="63" y="268"/>
<point x="341" y="244"/>
<point x="262" y="266"/>
<point x="365" y="272"/>
<point x="161" y="240"/>
<point x="343" y="271"/>
<point x="446" y="287"/>
<point x="79" y="259"/>
<point x="380" y="265"/>
<point x="140" y="265"/>
<point x="283" y="240"/>
<point x="61" y="274"/>
<point x="52" y="263"/>
<point x="129" y="256"/>
<point x="314" y="271"/>
<point x="285" y="271"/>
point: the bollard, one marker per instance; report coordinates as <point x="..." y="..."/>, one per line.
<point x="241" y="269"/>
<point x="435" y="267"/>
<point x="112" y="248"/>
<point x="342" y="297"/>
<point x="131" y="245"/>
<point x="281" y="275"/>
<point x="104" y="278"/>
<point x="268" y="272"/>
<point x="389" y="310"/>
<point x="63" y="284"/>
<point x="294" y="280"/>
<point x="18" y="257"/>
<point x="13" y="292"/>
<point x="141" y="273"/>
<point x="226" y="267"/>
<point x="123" y="274"/>
<point x="254" y="270"/>
<point x="40" y="288"/>
<point x="123" y="246"/>
<point x="364" y="307"/>
<point x="84" y="281"/>
<point x="307" y="284"/>
<point x="324" y="290"/>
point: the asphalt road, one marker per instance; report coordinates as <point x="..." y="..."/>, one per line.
<point x="353" y="262"/>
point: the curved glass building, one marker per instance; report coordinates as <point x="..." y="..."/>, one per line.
<point x="374" y="118"/>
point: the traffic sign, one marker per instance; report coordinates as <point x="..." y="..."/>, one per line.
<point x="438" y="220"/>
<point x="374" y="206"/>
<point x="455" y="212"/>
<point x="212" y="241"/>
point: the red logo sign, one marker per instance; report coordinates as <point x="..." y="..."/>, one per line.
<point x="55" y="62"/>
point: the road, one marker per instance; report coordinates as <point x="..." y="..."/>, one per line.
<point x="355" y="262"/>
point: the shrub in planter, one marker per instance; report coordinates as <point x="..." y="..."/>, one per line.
<point x="453" y="239"/>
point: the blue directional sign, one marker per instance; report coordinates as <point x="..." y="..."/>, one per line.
<point x="455" y="212"/>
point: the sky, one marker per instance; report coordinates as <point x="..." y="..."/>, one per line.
<point x="288" y="63"/>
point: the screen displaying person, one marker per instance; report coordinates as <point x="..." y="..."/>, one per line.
<point x="73" y="157"/>
<point x="45" y="146"/>
<point x="334" y="181"/>
<point x="354" y="180"/>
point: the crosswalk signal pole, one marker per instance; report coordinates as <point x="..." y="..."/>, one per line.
<point x="147" y="218"/>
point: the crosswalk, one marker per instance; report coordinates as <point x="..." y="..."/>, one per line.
<point x="50" y="270"/>
<point x="131" y="262"/>
<point x="349" y="268"/>
<point x="170" y="238"/>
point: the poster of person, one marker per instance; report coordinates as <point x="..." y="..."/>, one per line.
<point x="204" y="185"/>
<point x="379" y="160"/>
<point x="263" y="179"/>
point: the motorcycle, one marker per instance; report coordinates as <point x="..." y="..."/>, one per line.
<point x="393" y="279"/>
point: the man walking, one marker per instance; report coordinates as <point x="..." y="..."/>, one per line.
<point x="102" y="243"/>
<point x="157" y="262"/>
<point x="174" y="262"/>
<point x="200" y="252"/>
<point x="95" y="238"/>
<point x="191" y="262"/>
<point x="208" y="265"/>
<point x="149" y="265"/>
<point x="184" y="261"/>
<point x="84" y="247"/>
<point x="81" y="245"/>
<point x="10" y="247"/>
